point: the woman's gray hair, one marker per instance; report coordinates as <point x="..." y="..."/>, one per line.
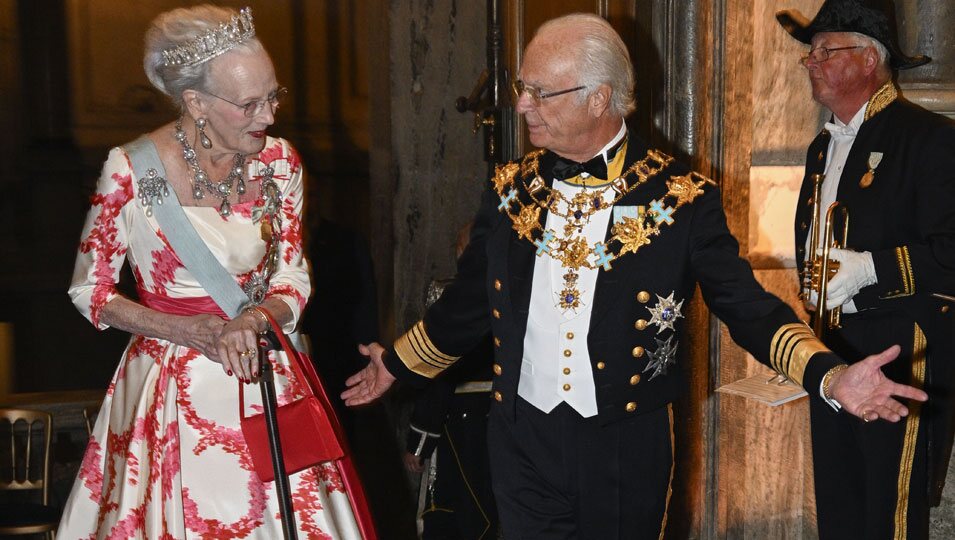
<point x="178" y="27"/>
<point x="602" y="58"/>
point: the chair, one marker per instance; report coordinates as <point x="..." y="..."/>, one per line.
<point x="89" y="415"/>
<point x="26" y="470"/>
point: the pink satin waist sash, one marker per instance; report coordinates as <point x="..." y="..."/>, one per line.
<point x="181" y="306"/>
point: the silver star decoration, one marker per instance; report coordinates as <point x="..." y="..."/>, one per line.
<point x="666" y="312"/>
<point x="662" y="358"/>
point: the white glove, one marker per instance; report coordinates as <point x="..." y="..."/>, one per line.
<point x="813" y="301"/>
<point x="856" y="270"/>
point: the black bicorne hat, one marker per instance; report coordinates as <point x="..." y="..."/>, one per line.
<point x="874" y="18"/>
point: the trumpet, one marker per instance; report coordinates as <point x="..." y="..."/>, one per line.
<point x="819" y="268"/>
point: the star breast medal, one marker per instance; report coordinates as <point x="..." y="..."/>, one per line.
<point x="665" y="313"/>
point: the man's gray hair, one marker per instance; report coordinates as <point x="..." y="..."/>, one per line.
<point x="602" y="58"/>
<point x="880" y="49"/>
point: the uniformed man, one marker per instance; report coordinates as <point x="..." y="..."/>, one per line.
<point x="892" y="165"/>
<point x="581" y="261"/>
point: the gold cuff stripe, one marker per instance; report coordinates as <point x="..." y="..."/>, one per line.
<point x="783" y="344"/>
<point x="909" y="276"/>
<point x="791" y="348"/>
<point x="426" y="350"/>
<point x="419" y="354"/>
<point x="906" y="276"/>
<point x="911" y="435"/>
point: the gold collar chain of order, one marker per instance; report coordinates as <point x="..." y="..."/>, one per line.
<point x="573" y="250"/>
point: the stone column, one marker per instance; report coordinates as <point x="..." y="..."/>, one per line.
<point x="437" y="173"/>
<point x="925" y="27"/>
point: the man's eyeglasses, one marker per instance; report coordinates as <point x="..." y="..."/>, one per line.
<point x="253" y="108"/>
<point x="519" y="88"/>
<point x="821" y="54"/>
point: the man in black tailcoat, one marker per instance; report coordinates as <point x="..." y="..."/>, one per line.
<point x="891" y="164"/>
<point x="582" y="258"/>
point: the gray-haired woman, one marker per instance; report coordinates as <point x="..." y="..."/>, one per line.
<point x="167" y="458"/>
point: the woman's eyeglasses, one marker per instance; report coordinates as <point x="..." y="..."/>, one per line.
<point x="253" y="108"/>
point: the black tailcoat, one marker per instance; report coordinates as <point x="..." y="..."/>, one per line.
<point x="492" y="292"/>
<point x="906" y="219"/>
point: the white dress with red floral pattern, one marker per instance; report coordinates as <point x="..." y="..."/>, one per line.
<point x="167" y="458"/>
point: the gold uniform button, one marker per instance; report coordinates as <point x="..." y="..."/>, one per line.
<point x="566" y="371"/>
<point x="632" y="406"/>
<point x="570" y="335"/>
<point x="567" y="353"/>
<point x="566" y="387"/>
<point x="497" y="369"/>
<point x="635" y="380"/>
<point x="497" y="284"/>
<point x="641" y="324"/>
<point x="496" y="313"/>
<point x="643" y="297"/>
<point x="498" y="396"/>
<point x="638" y="351"/>
<point x="944" y="309"/>
<point x="601" y="365"/>
<point x="803" y="225"/>
<point x="497" y="342"/>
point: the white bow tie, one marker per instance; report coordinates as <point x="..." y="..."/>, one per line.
<point x="840" y="132"/>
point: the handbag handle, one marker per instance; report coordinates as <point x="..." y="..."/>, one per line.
<point x="275" y="335"/>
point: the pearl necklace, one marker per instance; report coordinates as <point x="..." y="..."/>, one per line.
<point x="201" y="181"/>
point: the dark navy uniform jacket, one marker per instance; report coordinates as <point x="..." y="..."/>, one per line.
<point x="492" y="291"/>
<point x="903" y="212"/>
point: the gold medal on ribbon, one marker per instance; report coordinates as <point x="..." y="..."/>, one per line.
<point x="875" y="158"/>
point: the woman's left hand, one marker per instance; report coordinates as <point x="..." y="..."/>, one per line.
<point x="238" y="346"/>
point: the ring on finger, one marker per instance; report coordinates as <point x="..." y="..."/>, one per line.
<point x="865" y="416"/>
<point x="247" y="353"/>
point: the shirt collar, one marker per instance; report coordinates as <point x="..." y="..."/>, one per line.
<point x="621" y="133"/>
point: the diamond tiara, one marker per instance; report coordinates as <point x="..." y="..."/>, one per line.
<point x="213" y="43"/>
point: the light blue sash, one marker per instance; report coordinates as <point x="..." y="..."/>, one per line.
<point x="185" y="241"/>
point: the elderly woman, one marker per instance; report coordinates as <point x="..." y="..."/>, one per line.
<point x="167" y="458"/>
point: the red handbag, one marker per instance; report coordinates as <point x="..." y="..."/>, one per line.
<point x="309" y="432"/>
<point x="305" y="427"/>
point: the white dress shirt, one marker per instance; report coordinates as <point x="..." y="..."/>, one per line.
<point x="842" y="136"/>
<point x="556" y="363"/>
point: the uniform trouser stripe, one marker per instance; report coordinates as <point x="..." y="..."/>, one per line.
<point x="666" y="506"/>
<point x="467" y="482"/>
<point x="911" y="434"/>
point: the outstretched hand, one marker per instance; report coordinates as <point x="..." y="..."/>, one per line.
<point x="370" y="383"/>
<point x="864" y="391"/>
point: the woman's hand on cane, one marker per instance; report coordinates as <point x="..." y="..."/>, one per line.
<point x="238" y="346"/>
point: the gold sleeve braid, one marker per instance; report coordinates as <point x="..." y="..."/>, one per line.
<point x="419" y="354"/>
<point x="906" y="276"/>
<point x="791" y="348"/>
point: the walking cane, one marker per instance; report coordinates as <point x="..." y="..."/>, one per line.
<point x="267" y="386"/>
